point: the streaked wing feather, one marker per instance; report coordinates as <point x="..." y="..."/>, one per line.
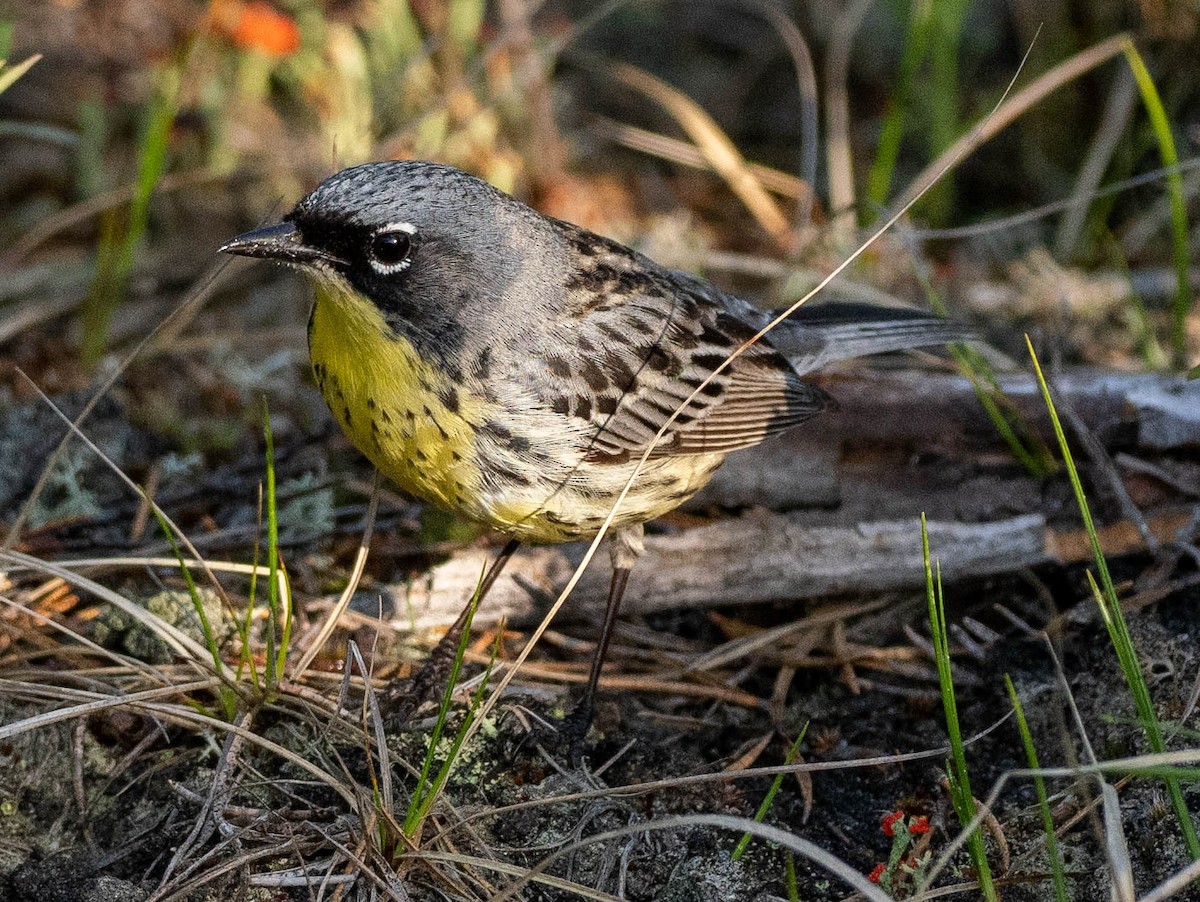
<point x="641" y="341"/>
<point x="752" y="409"/>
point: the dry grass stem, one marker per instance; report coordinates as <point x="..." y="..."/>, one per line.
<point x="721" y="153"/>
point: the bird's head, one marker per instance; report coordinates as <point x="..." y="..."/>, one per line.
<point x="428" y="245"/>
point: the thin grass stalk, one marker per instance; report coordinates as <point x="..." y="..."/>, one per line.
<point x="89" y="702"/>
<point x="381" y="786"/>
<point x="94" y="203"/>
<point x="123" y="663"/>
<point x="226" y="694"/>
<point x="119" y="245"/>
<point x="1179" y="222"/>
<point x="180" y="643"/>
<point x="460" y="861"/>
<point x="944" y="102"/>
<point x="720" y="152"/>
<point x="1151" y="351"/>
<point x="1033" y="214"/>
<point x="1029" y="452"/>
<point x="1118" y="110"/>
<point x="1022" y="442"/>
<point x="806" y="83"/>
<point x="426" y="793"/>
<point x="246" y="658"/>
<point x="1039" y="785"/>
<point x="9" y="74"/>
<point x="180" y="313"/>
<point x="916" y="47"/>
<point x="360" y="562"/>
<point x="839" y="163"/>
<point x="956" y="767"/>
<point x="792" y="754"/>
<point x="1173" y="887"/>
<point x="277" y="596"/>
<point x="1114" y="618"/>
<point x="1116" y="846"/>
<point x="1012" y="108"/>
<point x="460" y="737"/>
<point x="210" y="637"/>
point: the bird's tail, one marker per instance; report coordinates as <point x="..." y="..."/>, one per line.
<point x="817" y="335"/>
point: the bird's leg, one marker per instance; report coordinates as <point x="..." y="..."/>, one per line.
<point x="626" y="548"/>
<point x="429" y="681"/>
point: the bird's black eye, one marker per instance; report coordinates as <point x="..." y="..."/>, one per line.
<point x="391" y="249"/>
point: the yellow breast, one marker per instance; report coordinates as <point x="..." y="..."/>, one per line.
<point x="401" y="411"/>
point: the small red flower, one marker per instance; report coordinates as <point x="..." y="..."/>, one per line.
<point x="876" y="875"/>
<point x="888" y="824"/>
<point x="256" y="25"/>
<point x="918" y="824"/>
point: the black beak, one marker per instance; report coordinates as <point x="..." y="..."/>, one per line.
<point x="282" y="242"/>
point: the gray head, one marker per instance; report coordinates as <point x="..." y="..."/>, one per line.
<point x="422" y="241"/>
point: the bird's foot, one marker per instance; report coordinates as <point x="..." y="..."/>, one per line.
<point x="428" y="684"/>
<point x="574" y="731"/>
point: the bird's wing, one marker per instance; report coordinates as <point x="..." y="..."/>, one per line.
<point x="636" y="340"/>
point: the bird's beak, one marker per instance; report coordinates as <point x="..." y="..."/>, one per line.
<point x="282" y="242"/>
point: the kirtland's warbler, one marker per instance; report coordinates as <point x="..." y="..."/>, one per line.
<point x="514" y="368"/>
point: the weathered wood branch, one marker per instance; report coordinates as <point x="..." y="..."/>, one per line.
<point x="757" y="558"/>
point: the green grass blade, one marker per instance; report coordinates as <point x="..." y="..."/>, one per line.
<point x="1023" y="442"/>
<point x="1179" y="223"/>
<point x="246" y="658"/>
<point x="210" y="636"/>
<point x="1151" y="351"/>
<point x="1073" y="473"/>
<point x="426" y="792"/>
<point x="945" y="98"/>
<point x="119" y="245"/>
<point x="1114" y="618"/>
<point x="1029" y="451"/>
<point x="916" y="47"/>
<point x="91" y="144"/>
<point x="276" y="655"/>
<point x="460" y="737"/>
<point x="956" y="770"/>
<point x="789" y="874"/>
<point x="226" y="694"/>
<point x="1039" y="785"/>
<point x="765" y="806"/>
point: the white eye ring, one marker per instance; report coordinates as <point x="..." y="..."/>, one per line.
<point x="391" y="247"/>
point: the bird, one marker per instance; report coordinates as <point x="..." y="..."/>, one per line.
<point x="515" y="369"/>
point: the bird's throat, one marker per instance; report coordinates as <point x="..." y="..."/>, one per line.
<point x="399" y="409"/>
